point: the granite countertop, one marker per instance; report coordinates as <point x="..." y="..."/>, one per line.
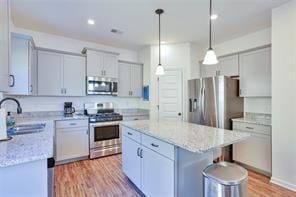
<point x="260" y="121"/>
<point x="191" y="137"/>
<point x="255" y="118"/>
<point x="49" y="118"/>
<point x="133" y="112"/>
<point x="28" y="147"/>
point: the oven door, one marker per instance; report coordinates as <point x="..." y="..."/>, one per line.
<point x="104" y="134"/>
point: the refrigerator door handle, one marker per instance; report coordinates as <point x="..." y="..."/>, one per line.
<point x="194" y="104"/>
<point x="190" y="105"/>
<point x="203" y="102"/>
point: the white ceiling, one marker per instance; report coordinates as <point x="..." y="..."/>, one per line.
<point x="183" y="20"/>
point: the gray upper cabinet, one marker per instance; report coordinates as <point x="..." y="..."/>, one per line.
<point x="101" y="64"/>
<point x="255" y="73"/>
<point x="4" y="45"/>
<point x="60" y="74"/>
<point x="74" y="75"/>
<point x="208" y="70"/>
<point x="50" y="66"/>
<point x="23" y="65"/>
<point x="227" y="66"/>
<point x="124" y="82"/>
<point x="130" y="80"/>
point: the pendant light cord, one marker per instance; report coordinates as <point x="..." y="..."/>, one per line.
<point x="210" y="41"/>
<point x="159" y="48"/>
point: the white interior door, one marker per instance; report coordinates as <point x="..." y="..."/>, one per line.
<point x="170" y="96"/>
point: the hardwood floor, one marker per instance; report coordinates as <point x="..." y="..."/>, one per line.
<point x="103" y="178"/>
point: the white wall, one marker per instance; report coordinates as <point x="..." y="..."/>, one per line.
<point x="256" y="39"/>
<point x="50" y="41"/>
<point x="284" y="95"/>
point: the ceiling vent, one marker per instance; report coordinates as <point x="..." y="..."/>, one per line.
<point x="116" y="31"/>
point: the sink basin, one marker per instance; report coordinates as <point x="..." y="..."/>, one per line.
<point x="26" y="129"/>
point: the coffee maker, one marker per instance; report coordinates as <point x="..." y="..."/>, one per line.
<point x="68" y="109"/>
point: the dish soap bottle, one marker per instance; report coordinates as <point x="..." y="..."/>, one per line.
<point x="10" y="122"/>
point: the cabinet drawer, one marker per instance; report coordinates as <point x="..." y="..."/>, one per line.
<point x="262" y="129"/>
<point x="159" y="146"/>
<point x="60" y="124"/>
<point x="135" y="135"/>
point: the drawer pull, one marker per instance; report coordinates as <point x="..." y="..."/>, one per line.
<point x="154" y="145"/>
<point x="129" y="133"/>
<point x="73" y="124"/>
<point x="249" y="128"/>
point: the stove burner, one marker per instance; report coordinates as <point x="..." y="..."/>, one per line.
<point x="105" y="117"/>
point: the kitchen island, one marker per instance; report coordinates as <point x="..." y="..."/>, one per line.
<point x="167" y="158"/>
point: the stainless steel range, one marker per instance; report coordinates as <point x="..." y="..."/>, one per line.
<point x="105" y="135"/>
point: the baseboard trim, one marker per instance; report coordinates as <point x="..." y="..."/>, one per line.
<point x="284" y="184"/>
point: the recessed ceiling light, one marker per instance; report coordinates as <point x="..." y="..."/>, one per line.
<point x="90" y="21"/>
<point x="214" y="16"/>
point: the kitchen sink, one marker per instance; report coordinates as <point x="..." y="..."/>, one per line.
<point x="26" y="129"/>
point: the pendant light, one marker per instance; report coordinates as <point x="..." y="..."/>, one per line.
<point x="210" y="57"/>
<point x="159" y="68"/>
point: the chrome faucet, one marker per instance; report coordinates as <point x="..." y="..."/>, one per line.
<point x="19" y="109"/>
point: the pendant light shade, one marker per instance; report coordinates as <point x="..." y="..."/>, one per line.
<point x="159" y="68"/>
<point x="210" y="58"/>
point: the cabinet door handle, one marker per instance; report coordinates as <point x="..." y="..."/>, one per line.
<point x="73" y="124"/>
<point x="13" y="81"/>
<point x="31" y="88"/>
<point x="129" y="133"/>
<point x="141" y="153"/>
<point x="87" y="132"/>
<point x="249" y="128"/>
<point x="62" y="91"/>
<point x="65" y="91"/>
<point x="154" y="145"/>
<point x="138" y="152"/>
<point x="102" y="72"/>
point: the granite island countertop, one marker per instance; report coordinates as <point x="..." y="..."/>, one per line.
<point x="28" y="147"/>
<point x="188" y="136"/>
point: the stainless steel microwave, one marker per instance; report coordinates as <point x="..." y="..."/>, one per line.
<point x="102" y="86"/>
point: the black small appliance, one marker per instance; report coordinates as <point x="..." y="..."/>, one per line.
<point x="68" y="109"/>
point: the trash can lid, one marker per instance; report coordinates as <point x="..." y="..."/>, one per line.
<point x="226" y="173"/>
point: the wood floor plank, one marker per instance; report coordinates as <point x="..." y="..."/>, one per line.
<point x="103" y="178"/>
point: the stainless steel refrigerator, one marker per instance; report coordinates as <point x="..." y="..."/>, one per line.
<point x="214" y="101"/>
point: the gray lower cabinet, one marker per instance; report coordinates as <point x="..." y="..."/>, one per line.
<point x="72" y="140"/>
<point x="23" y="68"/>
<point x="130" y="80"/>
<point x="4" y="45"/>
<point x="255" y="73"/>
<point x="148" y="163"/>
<point x="60" y="74"/>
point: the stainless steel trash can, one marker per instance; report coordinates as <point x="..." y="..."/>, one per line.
<point x="225" y="179"/>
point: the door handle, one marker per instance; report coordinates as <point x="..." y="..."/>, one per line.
<point x="154" y="145"/>
<point x="194" y="104"/>
<point x="179" y="114"/>
<point x="190" y="105"/>
<point x="141" y="153"/>
<point x="129" y="133"/>
<point x="13" y="81"/>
